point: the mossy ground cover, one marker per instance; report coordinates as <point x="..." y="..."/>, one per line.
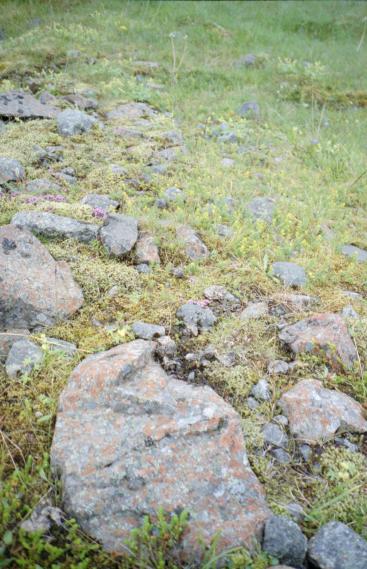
<point x="307" y="149"/>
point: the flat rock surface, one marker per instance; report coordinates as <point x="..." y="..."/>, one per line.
<point x="315" y="414"/>
<point x="290" y="274"/>
<point x="8" y="338"/>
<point x="10" y="170"/>
<point x="51" y="225"/>
<point x="355" y="253"/>
<point x="284" y="540"/>
<point x="35" y="290"/>
<point x="129" y="440"/>
<point x="322" y="333"/>
<point x="336" y="546"/>
<point x="23" y="105"/>
<point x="119" y="234"/>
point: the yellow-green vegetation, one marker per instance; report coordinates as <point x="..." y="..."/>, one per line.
<point x="307" y="150"/>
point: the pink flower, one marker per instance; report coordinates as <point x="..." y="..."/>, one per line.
<point x="99" y="212"/>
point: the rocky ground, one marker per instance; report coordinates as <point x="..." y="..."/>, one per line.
<point x="183" y="315"/>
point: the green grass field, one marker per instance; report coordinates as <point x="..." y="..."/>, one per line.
<point x="307" y="148"/>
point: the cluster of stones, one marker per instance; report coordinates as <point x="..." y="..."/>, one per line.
<point x="129" y="438"/>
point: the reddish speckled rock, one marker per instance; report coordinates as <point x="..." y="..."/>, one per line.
<point x="322" y="333"/>
<point x="35" y="290"/>
<point x="129" y="440"/>
<point x="315" y="414"/>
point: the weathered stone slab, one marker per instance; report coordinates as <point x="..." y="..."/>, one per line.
<point x="35" y="290"/>
<point x="23" y="105"/>
<point x="129" y="440"/>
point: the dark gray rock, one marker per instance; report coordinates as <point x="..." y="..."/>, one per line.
<point x="166" y="347"/>
<point x="354" y="252"/>
<point x="250" y="109"/>
<point x="100" y="201"/>
<point x="80" y="102"/>
<point x="248" y="60"/>
<point x="22" y="358"/>
<point x="284" y="540"/>
<point x="10" y="170"/>
<point x="224" y="230"/>
<point x="274" y="435"/>
<point x="147" y="331"/>
<point x="289" y="273"/>
<point x="336" y="546"/>
<point x="262" y="208"/>
<point x="252" y="403"/>
<point x="119" y="234"/>
<point x="23" y="105"/>
<point x="349" y="312"/>
<point x="51" y="225"/>
<point x="42" y="186"/>
<point x="71" y="122"/>
<point x="296" y="511"/>
<point x="196" y="318"/>
<point x="48" y="154"/>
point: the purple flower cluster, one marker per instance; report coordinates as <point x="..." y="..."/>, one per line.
<point x="99" y="212"/>
<point x="46" y="197"/>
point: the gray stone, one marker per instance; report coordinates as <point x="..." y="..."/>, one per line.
<point x="173" y="194"/>
<point x="51" y="225"/>
<point x="306" y="452"/>
<point x="262" y="209"/>
<point x="129" y="440"/>
<point x="250" y="109"/>
<point x="10" y="170"/>
<point x="146" y="249"/>
<point x="118" y="170"/>
<point x="178" y="272"/>
<point x="43" y="517"/>
<point x="254" y="310"/>
<point x="81" y="102"/>
<point x="354" y="252"/>
<point x="315" y="413"/>
<point x="194" y="247"/>
<point x="71" y="122"/>
<point x="48" y="154"/>
<point x="274" y="435"/>
<point x="35" y="291"/>
<point x="352" y="294"/>
<point x="322" y="333"/>
<point x="342" y="441"/>
<point x="289" y="273"/>
<point x="224" y="230"/>
<point x="147" y="331"/>
<point x="278" y="367"/>
<point x="42" y="186"/>
<point x="284" y="540"/>
<point x="119" y="234"/>
<point x="100" y="201"/>
<point x="166" y="347"/>
<point x="132" y="112"/>
<point x="218" y="293"/>
<point x="252" y="403"/>
<point x="281" y="455"/>
<point x="22" y="105"/>
<point x="280" y="420"/>
<point x="8" y="338"/>
<point x="336" y="546"/>
<point x="161" y="203"/>
<point x="261" y="391"/>
<point x="286" y="302"/>
<point x="22" y="358"/>
<point x="196" y="318"/>
<point x="143" y="268"/>
<point x="68" y="349"/>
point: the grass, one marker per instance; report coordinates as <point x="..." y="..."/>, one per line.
<point x="307" y="149"/>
